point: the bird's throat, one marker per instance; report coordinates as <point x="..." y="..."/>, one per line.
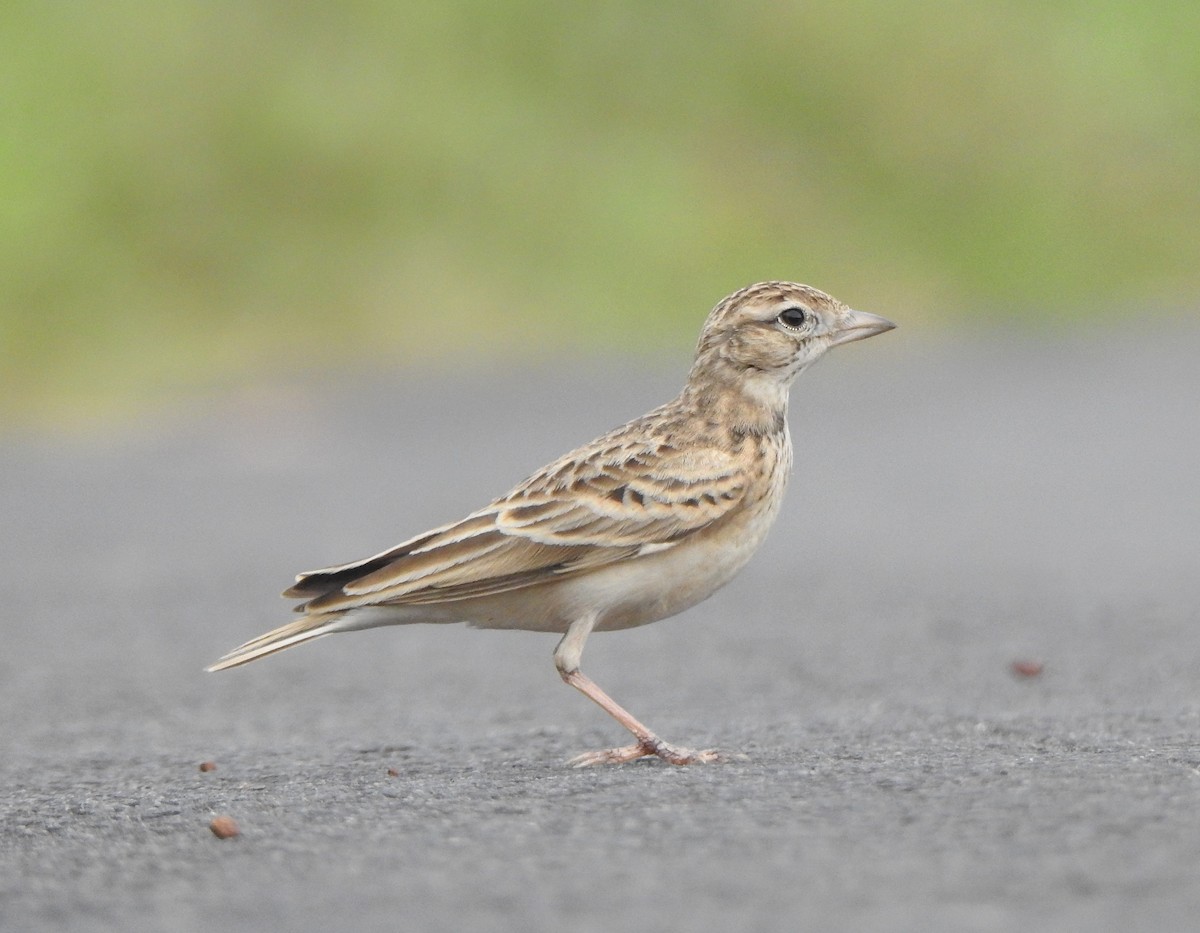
<point x="755" y="403"/>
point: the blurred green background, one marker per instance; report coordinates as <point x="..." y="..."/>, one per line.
<point x="203" y="193"/>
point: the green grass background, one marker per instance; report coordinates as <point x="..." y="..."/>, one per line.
<point x="198" y="193"/>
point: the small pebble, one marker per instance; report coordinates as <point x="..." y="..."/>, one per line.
<point x="392" y="772"/>
<point x="224" y="827"/>
<point x="1026" y="668"/>
<point x="207" y="766"/>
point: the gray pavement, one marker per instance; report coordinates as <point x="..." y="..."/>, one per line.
<point x="959" y="504"/>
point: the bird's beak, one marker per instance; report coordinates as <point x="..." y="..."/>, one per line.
<point x="859" y="324"/>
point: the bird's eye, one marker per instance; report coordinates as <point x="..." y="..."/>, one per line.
<point x="792" y="317"/>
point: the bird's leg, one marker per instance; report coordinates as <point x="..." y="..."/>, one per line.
<point x="647" y="742"/>
<point x="566" y="658"/>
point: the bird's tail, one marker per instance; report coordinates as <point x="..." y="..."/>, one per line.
<point x="294" y="633"/>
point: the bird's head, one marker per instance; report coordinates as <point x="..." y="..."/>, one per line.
<point x="764" y="335"/>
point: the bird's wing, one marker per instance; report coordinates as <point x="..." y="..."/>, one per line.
<point x="589" y="509"/>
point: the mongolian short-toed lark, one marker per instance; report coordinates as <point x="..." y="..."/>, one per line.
<point x="636" y="526"/>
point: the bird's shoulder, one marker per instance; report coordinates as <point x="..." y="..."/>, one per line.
<point x="667" y="465"/>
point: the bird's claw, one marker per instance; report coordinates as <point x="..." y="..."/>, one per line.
<point x="672" y="754"/>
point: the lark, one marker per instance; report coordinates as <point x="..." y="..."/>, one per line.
<point x="636" y="526"/>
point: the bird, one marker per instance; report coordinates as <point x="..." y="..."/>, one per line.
<point x="641" y="524"/>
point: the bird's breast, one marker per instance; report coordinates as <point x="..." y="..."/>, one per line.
<point x="665" y="583"/>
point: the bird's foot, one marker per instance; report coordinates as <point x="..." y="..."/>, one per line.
<point x="672" y="754"/>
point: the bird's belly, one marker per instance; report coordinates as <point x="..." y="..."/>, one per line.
<point x="665" y="584"/>
<point x="623" y="595"/>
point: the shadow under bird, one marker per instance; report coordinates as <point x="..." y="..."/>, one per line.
<point x="640" y="524"/>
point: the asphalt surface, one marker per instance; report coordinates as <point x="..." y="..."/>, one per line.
<point x="958" y="505"/>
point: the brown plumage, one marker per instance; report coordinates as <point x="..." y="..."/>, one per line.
<point x="636" y="526"/>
